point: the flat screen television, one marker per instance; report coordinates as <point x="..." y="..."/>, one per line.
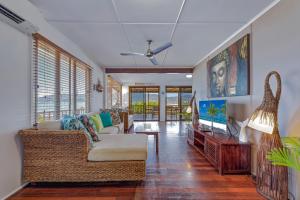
<point x="220" y="119"/>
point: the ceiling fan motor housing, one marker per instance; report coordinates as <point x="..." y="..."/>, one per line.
<point x="149" y="53"/>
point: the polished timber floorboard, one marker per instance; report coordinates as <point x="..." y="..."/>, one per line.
<point x="179" y="172"/>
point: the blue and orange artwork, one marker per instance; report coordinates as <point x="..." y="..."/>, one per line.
<point x="228" y="72"/>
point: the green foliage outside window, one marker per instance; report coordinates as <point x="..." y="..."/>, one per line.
<point x="138" y="106"/>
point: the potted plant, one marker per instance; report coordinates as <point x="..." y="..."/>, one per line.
<point x="289" y="155"/>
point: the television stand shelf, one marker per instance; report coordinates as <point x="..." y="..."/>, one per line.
<point x="225" y="153"/>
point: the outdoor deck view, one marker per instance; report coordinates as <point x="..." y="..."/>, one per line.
<point x="145" y="103"/>
<point x="177" y="102"/>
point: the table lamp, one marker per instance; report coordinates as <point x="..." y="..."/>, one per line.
<point x="271" y="180"/>
<point x="195" y="115"/>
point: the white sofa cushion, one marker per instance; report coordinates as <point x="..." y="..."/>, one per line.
<point x="50" y="125"/>
<point x="116" y="129"/>
<point x="109" y="130"/>
<point x="120" y="147"/>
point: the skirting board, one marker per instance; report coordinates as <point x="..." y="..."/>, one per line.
<point x="15" y="191"/>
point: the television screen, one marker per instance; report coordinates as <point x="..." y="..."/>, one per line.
<point x="220" y="118"/>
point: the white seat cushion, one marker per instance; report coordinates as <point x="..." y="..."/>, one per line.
<point x="116" y="129"/>
<point x="109" y="130"/>
<point x="50" y="125"/>
<point x="120" y="147"/>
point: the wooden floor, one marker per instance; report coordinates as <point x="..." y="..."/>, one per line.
<point x="179" y="172"/>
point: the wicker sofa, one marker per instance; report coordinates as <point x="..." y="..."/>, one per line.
<point x="64" y="156"/>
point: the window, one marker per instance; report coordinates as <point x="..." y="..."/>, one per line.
<point x="114" y="93"/>
<point x="61" y="82"/>
<point x="144" y="103"/>
<point x="177" y="101"/>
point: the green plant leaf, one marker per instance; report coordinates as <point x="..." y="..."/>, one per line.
<point x="284" y="157"/>
<point x="292" y="143"/>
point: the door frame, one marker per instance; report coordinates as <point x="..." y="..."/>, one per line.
<point x="179" y="99"/>
<point x="144" y="108"/>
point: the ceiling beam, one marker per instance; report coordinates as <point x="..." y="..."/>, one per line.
<point x="148" y="70"/>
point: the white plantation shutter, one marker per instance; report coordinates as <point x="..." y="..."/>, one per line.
<point x="73" y="86"/>
<point x="81" y="99"/>
<point x="65" y="85"/>
<point x="46" y="85"/>
<point x="61" y="82"/>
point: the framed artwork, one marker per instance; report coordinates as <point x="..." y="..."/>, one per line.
<point x="229" y="71"/>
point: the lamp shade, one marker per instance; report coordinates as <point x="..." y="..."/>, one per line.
<point x="262" y="123"/>
<point x="264" y="118"/>
<point x="189" y="109"/>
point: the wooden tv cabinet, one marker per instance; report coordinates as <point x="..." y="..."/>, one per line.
<point x="225" y="153"/>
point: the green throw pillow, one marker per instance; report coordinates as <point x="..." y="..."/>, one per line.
<point x="106" y="119"/>
<point x="97" y="121"/>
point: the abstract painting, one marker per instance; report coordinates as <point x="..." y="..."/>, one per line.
<point x="228" y="72"/>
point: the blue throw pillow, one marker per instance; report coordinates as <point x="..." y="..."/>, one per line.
<point x="89" y="126"/>
<point x="71" y="123"/>
<point x="106" y="119"/>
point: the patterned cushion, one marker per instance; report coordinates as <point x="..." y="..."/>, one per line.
<point x="90" y="126"/>
<point x="71" y="123"/>
<point x="97" y="121"/>
<point x="114" y="112"/>
<point x="106" y="119"/>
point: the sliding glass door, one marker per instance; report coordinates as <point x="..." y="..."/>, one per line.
<point x="144" y="103"/>
<point x="177" y="102"/>
<point x="172" y="103"/>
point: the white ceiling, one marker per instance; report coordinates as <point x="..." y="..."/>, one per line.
<point x="105" y="28"/>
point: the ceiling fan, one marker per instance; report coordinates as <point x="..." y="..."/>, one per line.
<point x="149" y="53"/>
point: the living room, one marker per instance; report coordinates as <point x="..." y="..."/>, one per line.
<point x="97" y="56"/>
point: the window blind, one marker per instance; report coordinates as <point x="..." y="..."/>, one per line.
<point x="61" y="82"/>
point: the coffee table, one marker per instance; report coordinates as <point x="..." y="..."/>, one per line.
<point x="148" y="128"/>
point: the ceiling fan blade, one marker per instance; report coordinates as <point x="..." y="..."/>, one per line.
<point x="153" y="60"/>
<point x="132" y="54"/>
<point x="161" y="48"/>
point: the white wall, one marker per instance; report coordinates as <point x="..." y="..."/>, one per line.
<point x="97" y="100"/>
<point x="275" y="45"/>
<point x="15" y="104"/>
<point x="15" y="84"/>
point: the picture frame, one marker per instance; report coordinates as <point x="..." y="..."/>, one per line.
<point x="228" y="73"/>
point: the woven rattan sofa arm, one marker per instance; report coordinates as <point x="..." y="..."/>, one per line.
<point x="43" y="147"/>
